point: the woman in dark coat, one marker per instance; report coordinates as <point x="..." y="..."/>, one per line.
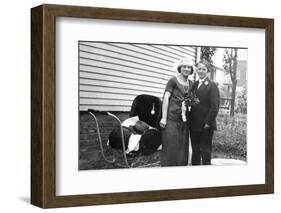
<point x="175" y="132"/>
<point x="203" y="115"/>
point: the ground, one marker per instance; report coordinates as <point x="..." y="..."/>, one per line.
<point x="230" y="139"/>
<point x="228" y="142"/>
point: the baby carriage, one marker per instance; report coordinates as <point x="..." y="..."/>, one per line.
<point x="147" y="109"/>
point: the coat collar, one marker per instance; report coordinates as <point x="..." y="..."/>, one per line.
<point x="204" y="79"/>
<point x="205" y="83"/>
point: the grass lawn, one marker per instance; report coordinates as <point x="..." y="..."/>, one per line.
<point x="230" y="139"/>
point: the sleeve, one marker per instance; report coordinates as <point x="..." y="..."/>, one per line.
<point x="215" y="103"/>
<point x="170" y="85"/>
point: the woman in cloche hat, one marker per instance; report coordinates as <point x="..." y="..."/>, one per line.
<point x="175" y="132"/>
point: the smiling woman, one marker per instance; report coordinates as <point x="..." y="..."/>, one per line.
<point x="175" y="131"/>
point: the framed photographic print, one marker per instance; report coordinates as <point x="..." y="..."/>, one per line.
<point x="136" y="106"/>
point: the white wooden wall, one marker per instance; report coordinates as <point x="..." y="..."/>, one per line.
<point x="111" y="75"/>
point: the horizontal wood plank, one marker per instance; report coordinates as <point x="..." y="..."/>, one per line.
<point x="112" y="74"/>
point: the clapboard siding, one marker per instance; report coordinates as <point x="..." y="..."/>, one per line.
<point x="110" y="65"/>
<point x="114" y="85"/>
<point x="106" y="68"/>
<point x="105" y="108"/>
<point x="106" y="102"/>
<point x="121" y="58"/>
<point x="104" y="95"/>
<point x="136" y="63"/>
<point x="185" y="51"/>
<point x="111" y="75"/>
<point x="92" y="88"/>
<point x="155" y="51"/>
<point x="124" y="52"/>
<point x="141" y="52"/>
<point x="93" y="76"/>
<point x="87" y="71"/>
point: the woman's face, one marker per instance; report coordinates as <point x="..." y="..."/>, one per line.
<point x="186" y="70"/>
<point x="202" y="70"/>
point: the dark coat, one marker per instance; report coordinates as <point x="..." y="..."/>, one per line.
<point x="206" y="111"/>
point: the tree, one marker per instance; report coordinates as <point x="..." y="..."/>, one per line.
<point x="230" y="66"/>
<point x="206" y="54"/>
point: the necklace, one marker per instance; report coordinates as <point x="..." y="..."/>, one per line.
<point x="183" y="81"/>
<point x="184" y="84"/>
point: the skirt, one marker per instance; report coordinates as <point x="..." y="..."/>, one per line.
<point x="175" y="144"/>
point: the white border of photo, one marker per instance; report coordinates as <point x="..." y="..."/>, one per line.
<point x="71" y="181"/>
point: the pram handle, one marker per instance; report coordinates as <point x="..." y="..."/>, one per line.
<point x="92" y="112"/>
<point x="97" y="111"/>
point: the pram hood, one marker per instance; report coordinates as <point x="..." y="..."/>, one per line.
<point x="148" y="108"/>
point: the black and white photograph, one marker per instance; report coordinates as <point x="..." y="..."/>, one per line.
<point x="147" y="105"/>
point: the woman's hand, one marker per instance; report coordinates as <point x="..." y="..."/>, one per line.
<point x="163" y="122"/>
<point x="206" y="126"/>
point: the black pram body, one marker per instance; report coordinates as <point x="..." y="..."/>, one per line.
<point x="148" y="110"/>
